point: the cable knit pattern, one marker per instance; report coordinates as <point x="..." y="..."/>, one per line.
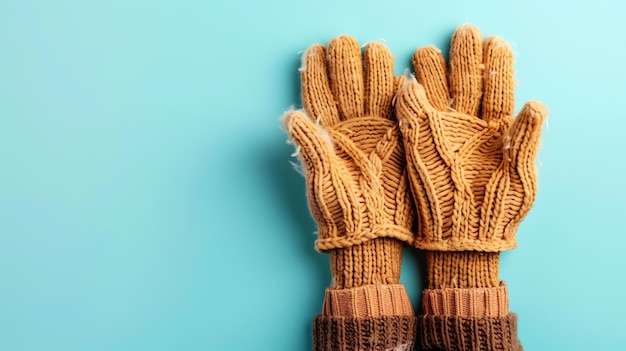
<point x="350" y="145"/>
<point x="471" y="164"/>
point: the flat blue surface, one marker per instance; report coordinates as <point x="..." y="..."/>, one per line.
<point x="146" y="196"/>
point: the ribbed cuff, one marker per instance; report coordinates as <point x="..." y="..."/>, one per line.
<point x="364" y="334"/>
<point x="373" y="262"/>
<point x="463" y="269"/>
<point x="452" y="333"/>
<point x="476" y="302"/>
<point x="368" y="301"/>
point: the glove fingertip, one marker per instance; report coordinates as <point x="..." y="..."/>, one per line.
<point x="411" y="101"/>
<point x="534" y="112"/>
<point x="294" y="119"/>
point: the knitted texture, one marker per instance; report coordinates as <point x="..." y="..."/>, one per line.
<point x="462" y="269"/>
<point x="453" y="333"/>
<point x="395" y="333"/>
<point x="368" y="301"/>
<point x="375" y="261"/>
<point x="472" y="172"/>
<point x="350" y="145"/>
<point x="475" y="302"/>
<point x="353" y="158"/>
<point x="471" y="164"/>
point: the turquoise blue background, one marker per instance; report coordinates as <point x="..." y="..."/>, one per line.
<point x="146" y="196"/>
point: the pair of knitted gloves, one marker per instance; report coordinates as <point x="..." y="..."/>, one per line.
<point x="376" y="149"/>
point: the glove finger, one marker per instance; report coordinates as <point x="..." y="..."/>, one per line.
<point x="412" y="111"/>
<point x="346" y="76"/>
<point x="317" y="97"/>
<point x="466" y="69"/>
<point x="312" y="139"/>
<point x="430" y="70"/>
<point x="525" y="133"/>
<point x="498" y="98"/>
<point x="398" y="82"/>
<point x="426" y="154"/>
<point x="412" y="104"/>
<point x="379" y="80"/>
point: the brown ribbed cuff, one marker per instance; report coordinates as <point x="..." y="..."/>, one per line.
<point x="476" y="302"/>
<point x="462" y="269"/>
<point x="374" y="262"/>
<point x="368" y="301"/>
<point x="453" y="333"/>
<point x="364" y="334"/>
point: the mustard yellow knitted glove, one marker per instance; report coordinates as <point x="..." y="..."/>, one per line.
<point x="473" y="177"/>
<point x="355" y="168"/>
<point x="353" y="158"/>
<point x="471" y="164"/>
